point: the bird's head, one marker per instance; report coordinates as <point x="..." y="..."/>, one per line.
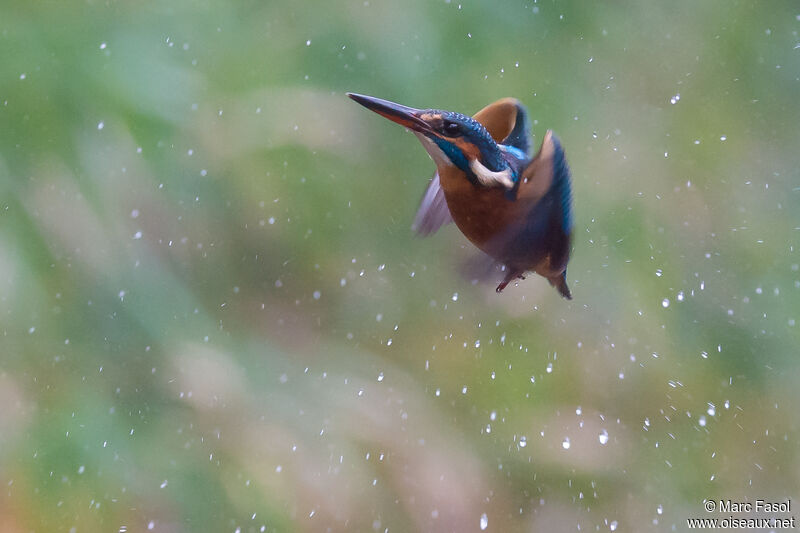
<point x="451" y="139"/>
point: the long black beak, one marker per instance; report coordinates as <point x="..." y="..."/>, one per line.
<point x="405" y="116"/>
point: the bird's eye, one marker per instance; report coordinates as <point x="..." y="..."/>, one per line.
<point x="452" y="128"/>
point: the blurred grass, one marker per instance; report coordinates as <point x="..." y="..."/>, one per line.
<point x="216" y="318"/>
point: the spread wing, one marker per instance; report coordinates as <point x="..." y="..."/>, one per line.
<point x="548" y="175"/>
<point x="506" y="120"/>
<point x="547" y="182"/>
<point x="545" y="230"/>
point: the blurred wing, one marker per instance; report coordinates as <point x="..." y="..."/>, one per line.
<point x="433" y="212"/>
<point x="507" y="123"/>
<point x="477" y="267"/>
<point x="548" y="172"/>
<point x="546" y="185"/>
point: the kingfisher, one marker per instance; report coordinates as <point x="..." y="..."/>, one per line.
<point x="514" y="206"/>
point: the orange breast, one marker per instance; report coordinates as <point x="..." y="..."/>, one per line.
<point x="480" y="213"/>
<point x="490" y="220"/>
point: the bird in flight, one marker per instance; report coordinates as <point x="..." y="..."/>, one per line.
<point x="515" y="207"/>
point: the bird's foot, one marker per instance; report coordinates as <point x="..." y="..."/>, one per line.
<point x="510" y="276"/>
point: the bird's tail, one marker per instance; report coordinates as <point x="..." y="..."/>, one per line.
<point x="560" y="283"/>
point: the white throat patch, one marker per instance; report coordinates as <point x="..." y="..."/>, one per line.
<point x="489" y="178"/>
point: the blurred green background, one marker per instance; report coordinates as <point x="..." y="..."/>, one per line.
<point x="215" y="316"/>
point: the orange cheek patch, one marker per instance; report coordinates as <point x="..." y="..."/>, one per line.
<point x="470" y="150"/>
